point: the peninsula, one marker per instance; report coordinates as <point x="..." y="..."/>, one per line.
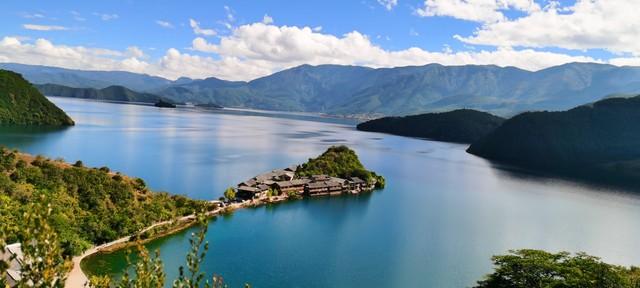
<point x="337" y="171"/>
<point x="598" y="141"/>
<point x="461" y="126"/>
<point x="97" y="210"/>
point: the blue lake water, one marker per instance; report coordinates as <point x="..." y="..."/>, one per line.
<point x="443" y="214"/>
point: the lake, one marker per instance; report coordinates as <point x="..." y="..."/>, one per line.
<point x="442" y="216"/>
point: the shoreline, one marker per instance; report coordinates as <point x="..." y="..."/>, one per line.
<point x="77" y="277"/>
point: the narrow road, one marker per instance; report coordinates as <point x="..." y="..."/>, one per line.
<point x="77" y="278"/>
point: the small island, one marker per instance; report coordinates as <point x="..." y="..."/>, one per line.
<point x="461" y="126"/>
<point x="337" y="171"/>
<point x="164" y="104"/>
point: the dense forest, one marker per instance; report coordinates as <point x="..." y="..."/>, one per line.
<point x="22" y="104"/>
<point x="89" y="205"/>
<point x="600" y="140"/>
<point x="462" y="126"/>
<point x="339" y="161"/>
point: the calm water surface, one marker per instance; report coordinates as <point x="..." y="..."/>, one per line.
<point x="441" y="217"/>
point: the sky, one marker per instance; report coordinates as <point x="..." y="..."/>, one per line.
<point x="244" y="40"/>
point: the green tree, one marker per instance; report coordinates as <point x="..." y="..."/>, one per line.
<point x="535" y="268"/>
<point x="43" y="265"/>
<point x="230" y="194"/>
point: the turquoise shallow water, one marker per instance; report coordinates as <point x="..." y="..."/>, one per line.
<point x="443" y="214"/>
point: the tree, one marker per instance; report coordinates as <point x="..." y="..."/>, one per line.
<point x="535" y="268"/>
<point x="43" y="265"/>
<point x="230" y="194"/>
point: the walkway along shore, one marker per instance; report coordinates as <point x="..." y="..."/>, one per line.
<point x="77" y="278"/>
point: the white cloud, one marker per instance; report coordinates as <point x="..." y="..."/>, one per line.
<point x="488" y="11"/>
<point x="44" y="27"/>
<point x="199" y="30"/>
<point x="317" y="29"/>
<point x="135" y="52"/>
<point x="77" y="16"/>
<point x="269" y="48"/>
<point x="388" y="4"/>
<point x="230" y="14"/>
<point x="267" y="19"/>
<point x="32" y="15"/>
<point x="165" y="24"/>
<point x="231" y="18"/>
<point x="107" y="17"/>
<point x="588" y="24"/>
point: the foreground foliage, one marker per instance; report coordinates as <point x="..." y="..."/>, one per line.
<point x="339" y="161"/>
<point x="23" y="104"/>
<point x="536" y="268"/>
<point x="88" y="206"/>
<point x="45" y="266"/>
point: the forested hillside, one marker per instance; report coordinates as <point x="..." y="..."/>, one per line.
<point x="89" y="205"/>
<point x="22" y="104"/>
<point x="463" y="126"/>
<point x="603" y="137"/>
<point x="111" y="93"/>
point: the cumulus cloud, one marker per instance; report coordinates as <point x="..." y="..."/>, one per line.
<point x="486" y="11"/>
<point x="135" y="52"/>
<point x="388" y="4"/>
<point x="267" y="19"/>
<point x="195" y="25"/>
<point x="164" y="24"/>
<point x="44" y="27"/>
<point x="587" y="24"/>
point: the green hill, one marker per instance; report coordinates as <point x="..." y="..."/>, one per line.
<point x="599" y="140"/>
<point x="463" y="126"/>
<point x="342" y="162"/>
<point x="89" y="206"/>
<point x="22" y="104"/>
<point x="111" y="93"/>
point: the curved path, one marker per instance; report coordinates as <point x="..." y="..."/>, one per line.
<point x="77" y="278"/>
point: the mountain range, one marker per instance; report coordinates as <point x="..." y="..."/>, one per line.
<point x="353" y="90"/>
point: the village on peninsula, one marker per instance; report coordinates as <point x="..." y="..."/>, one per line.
<point x="337" y="171"/>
